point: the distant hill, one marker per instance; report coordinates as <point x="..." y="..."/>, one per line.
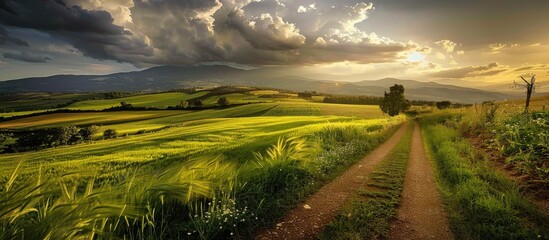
<point x="438" y="92"/>
<point x="170" y="77"/>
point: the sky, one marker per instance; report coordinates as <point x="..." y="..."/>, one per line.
<point x="460" y="42"/>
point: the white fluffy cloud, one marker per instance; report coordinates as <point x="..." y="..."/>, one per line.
<point x="447" y="45"/>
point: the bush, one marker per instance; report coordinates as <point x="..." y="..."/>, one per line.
<point x="110" y="133"/>
<point x="88" y="132"/>
<point x="68" y="135"/>
<point x="443" y="104"/>
<point x="223" y="102"/>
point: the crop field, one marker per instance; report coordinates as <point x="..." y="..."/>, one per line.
<point x="86" y="118"/>
<point x="161" y="100"/>
<point x="218" y="135"/>
<point x="19" y="113"/>
<point x="40" y="101"/>
<point x="133" y="121"/>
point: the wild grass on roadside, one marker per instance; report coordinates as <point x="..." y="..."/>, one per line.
<point x="521" y="138"/>
<point x="482" y="203"/>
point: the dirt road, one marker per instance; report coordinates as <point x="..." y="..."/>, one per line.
<point x="421" y="214"/>
<point x="308" y="218"/>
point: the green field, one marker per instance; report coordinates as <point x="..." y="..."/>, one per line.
<point x="236" y="131"/>
<point x="85" y="118"/>
<point x="161" y="100"/>
<point x="133" y="121"/>
<point x="160" y="141"/>
<point x="237" y="137"/>
<point x="40" y="101"/>
<point x="190" y="140"/>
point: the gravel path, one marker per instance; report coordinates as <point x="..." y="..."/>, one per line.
<point x="421" y="214"/>
<point x="308" y="218"/>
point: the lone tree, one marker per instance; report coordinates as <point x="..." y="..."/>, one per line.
<point x="394" y="102"/>
<point x="530" y="87"/>
<point x="223" y="102"/>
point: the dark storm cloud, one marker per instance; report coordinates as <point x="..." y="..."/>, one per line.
<point x="57" y="16"/>
<point x="269" y="32"/>
<point x="471" y="71"/>
<point x="6" y="38"/>
<point x="90" y="31"/>
<point x="26" y="57"/>
<point x="180" y="31"/>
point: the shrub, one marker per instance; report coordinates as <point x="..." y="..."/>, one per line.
<point x="89" y="131"/>
<point x="68" y="135"/>
<point x="110" y="133"/>
<point x="223" y="101"/>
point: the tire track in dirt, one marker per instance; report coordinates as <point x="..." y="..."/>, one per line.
<point x="309" y="218"/>
<point x="421" y="214"/>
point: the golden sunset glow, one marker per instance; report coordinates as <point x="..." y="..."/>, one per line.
<point x="416" y="57"/>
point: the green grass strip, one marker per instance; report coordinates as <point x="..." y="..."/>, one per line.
<point x="368" y="215"/>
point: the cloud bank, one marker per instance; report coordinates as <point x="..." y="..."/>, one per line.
<point x="471" y="71"/>
<point x="267" y="32"/>
<point x="26" y="57"/>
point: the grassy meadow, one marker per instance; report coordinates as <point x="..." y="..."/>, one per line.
<point x="268" y="153"/>
<point x="222" y="172"/>
<point x="161" y="100"/>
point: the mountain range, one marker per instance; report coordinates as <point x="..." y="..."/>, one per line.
<point x="163" y="78"/>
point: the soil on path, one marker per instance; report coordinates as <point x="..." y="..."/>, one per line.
<point x="309" y="218"/>
<point x="421" y="214"/>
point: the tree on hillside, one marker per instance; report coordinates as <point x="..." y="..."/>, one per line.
<point x="394" y="102"/>
<point x="223" y="102"/>
<point x="443" y="104"/>
<point x="68" y="135"/>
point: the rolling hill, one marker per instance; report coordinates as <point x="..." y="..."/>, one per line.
<point x="170" y="77"/>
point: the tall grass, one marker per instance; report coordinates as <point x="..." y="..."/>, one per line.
<point x="482" y="203"/>
<point x="201" y="197"/>
<point x="521" y="138"/>
<point x="58" y="209"/>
